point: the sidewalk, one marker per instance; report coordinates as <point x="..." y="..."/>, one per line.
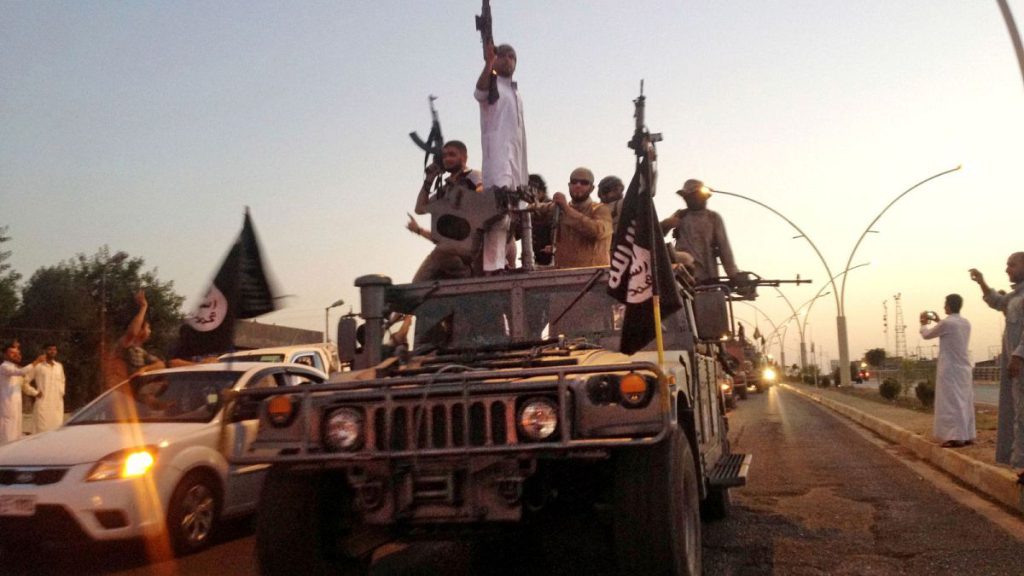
<point x="972" y="465"/>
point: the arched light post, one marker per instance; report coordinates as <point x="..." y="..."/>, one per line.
<point x="1004" y="7"/>
<point x="802" y="326"/>
<point x="844" y="345"/>
<point x="327" y="312"/>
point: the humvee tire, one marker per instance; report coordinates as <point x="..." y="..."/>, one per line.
<point x="656" y="516"/>
<point x="301" y="523"/>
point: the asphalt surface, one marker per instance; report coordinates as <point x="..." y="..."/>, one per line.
<point x="821" y="499"/>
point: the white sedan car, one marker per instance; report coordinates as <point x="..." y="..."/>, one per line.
<point x="145" y="459"/>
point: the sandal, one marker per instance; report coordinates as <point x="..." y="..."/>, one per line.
<point x="952" y="444"/>
<point x="1020" y="478"/>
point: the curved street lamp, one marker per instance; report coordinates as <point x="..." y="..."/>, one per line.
<point x="1004" y="7"/>
<point x="327" y="312"/>
<point x="844" y="345"/>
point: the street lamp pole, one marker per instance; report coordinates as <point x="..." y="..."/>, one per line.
<point x="327" y="311"/>
<point x="1004" y="7"/>
<point x="844" y="344"/>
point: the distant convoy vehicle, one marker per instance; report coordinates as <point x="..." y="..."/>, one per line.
<point x="513" y="408"/>
<point x="155" y="443"/>
<point x="323" y="357"/>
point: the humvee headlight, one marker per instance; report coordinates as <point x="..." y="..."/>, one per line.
<point x="343" y="429"/>
<point x="538" y="418"/>
<point x="769" y="374"/>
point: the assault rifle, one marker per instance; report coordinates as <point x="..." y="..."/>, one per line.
<point x="483" y="25"/>
<point x="643" y="141"/>
<point x="432" y="147"/>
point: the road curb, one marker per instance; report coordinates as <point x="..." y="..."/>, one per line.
<point x="997" y="483"/>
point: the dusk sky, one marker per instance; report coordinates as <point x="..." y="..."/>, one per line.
<point x="150" y="126"/>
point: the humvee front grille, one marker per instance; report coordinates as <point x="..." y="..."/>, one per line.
<point x="443" y="424"/>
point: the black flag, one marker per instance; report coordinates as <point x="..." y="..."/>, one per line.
<point x="635" y="247"/>
<point x="240" y="290"/>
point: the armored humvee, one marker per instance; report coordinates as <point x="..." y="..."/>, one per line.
<point x="511" y="407"/>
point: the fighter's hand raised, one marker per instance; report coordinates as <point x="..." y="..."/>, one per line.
<point x="976" y="275"/>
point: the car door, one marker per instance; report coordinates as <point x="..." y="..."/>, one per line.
<point x="246" y="480"/>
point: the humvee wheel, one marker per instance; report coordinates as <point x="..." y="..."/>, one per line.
<point x="742" y="391"/>
<point x="657" y="509"/>
<point x="302" y="522"/>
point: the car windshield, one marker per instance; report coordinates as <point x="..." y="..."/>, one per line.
<point x="169" y="397"/>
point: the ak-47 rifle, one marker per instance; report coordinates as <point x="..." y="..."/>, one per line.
<point x="483" y="25"/>
<point x="432" y="147"/>
<point x="434" y="142"/>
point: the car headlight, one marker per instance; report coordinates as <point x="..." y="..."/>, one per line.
<point x="538" y="418"/>
<point x="343" y="429"/>
<point x="768" y="374"/>
<point x="129" y="463"/>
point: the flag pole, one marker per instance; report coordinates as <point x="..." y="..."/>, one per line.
<point x="648" y="174"/>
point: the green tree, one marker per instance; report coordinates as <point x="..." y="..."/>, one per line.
<point x="86" y="300"/>
<point x="875" y="357"/>
<point x="8" y="282"/>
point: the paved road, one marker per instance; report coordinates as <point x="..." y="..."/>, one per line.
<point x="823" y="498"/>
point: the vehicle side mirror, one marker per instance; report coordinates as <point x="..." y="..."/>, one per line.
<point x="347" y="343"/>
<point x="711" y="313"/>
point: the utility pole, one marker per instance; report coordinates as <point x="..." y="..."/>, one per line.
<point x="885" y="323"/>
<point x="901" y="329"/>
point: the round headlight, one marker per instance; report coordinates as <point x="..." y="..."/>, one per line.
<point x="343" y="429"/>
<point x="538" y="418"/>
<point x="768" y="374"/>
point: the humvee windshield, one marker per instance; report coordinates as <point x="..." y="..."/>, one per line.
<point x="495" y="318"/>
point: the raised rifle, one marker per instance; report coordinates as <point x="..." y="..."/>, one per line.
<point x="432" y="147"/>
<point x="643" y="141"/>
<point x="483" y="25"/>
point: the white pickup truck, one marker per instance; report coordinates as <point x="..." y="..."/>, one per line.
<point x="322" y="356"/>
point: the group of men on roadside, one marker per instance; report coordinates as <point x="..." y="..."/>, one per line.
<point x="954" y="395"/>
<point x="42" y="379"/>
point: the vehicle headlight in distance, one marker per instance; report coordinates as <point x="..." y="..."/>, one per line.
<point x="725" y="386"/>
<point x="769" y="374"/>
<point x="130" y="463"/>
<point x="343" y="429"/>
<point x="538" y="418"/>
